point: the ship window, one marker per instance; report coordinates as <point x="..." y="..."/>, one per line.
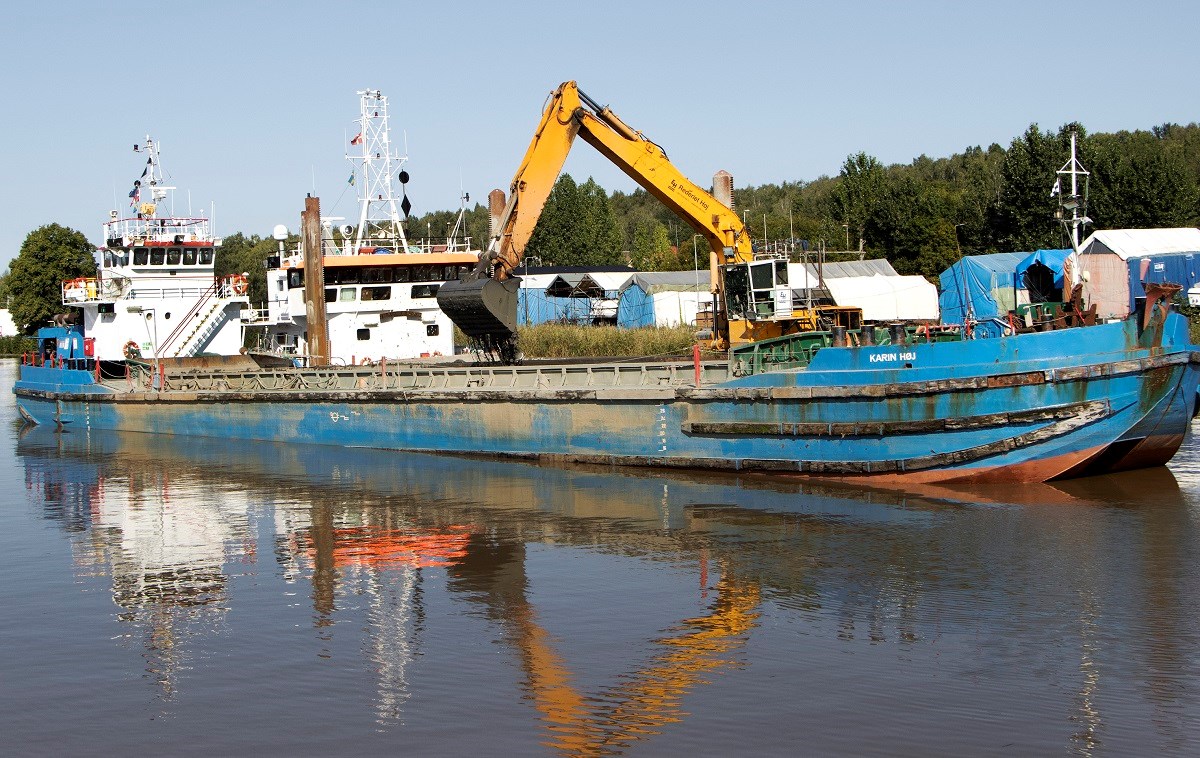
<point x="174" y="255"/>
<point x="141" y="256"/>
<point x="424" y="290"/>
<point x="364" y="335"/>
<point x="369" y="276"/>
<point x="206" y="256"/>
<point x="295" y="278"/>
<point x="331" y="294"/>
<point x="422" y="273"/>
<point x="108" y="260"/>
<point x="189" y="256"/>
<point x="347" y="295"/>
<point x="403" y="275"/>
<point x="376" y="293"/>
<point x="781" y="272"/>
<point x="347" y="276"/>
<point x="431" y="330"/>
<point x="157" y="256"/>
<point x="385" y="276"/>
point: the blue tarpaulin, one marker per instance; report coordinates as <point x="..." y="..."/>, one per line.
<point x="1177" y="268"/>
<point x="535" y="307"/>
<point x="1051" y="259"/>
<point x="983" y="284"/>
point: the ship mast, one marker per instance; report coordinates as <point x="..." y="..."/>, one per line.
<point x="1076" y="203"/>
<point x="379" y="213"/>
<point x="147" y="204"/>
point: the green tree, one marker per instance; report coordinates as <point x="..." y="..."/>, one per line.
<point x="652" y="250"/>
<point x="239" y="254"/>
<point x="578" y="226"/>
<point x="49" y="255"/>
<point x="601" y="245"/>
<point x="553" y="239"/>
<point x="1023" y="218"/>
<point x="1139" y="183"/>
<point x="910" y="225"/>
<point x="859" y="193"/>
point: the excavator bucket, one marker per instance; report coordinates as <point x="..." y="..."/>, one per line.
<point x="482" y="308"/>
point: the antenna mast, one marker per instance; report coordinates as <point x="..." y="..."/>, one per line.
<point x="379" y="213"/>
<point x="147" y="203"/>
<point x="1075" y="203"/>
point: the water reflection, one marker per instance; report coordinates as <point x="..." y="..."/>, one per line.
<point x="164" y="550"/>
<point x="1064" y="583"/>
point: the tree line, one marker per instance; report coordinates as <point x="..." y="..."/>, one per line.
<point x="920" y="216"/>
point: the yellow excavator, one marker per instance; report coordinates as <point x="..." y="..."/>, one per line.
<point x="751" y="296"/>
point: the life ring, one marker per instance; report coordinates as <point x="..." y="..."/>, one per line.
<point x="131" y="351"/>
<point x="240" y="285"/>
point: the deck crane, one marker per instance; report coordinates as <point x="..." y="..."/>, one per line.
<point x="752" y="300"/>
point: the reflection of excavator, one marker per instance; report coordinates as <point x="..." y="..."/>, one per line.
<point x="752" y="299"/>
<point x="643" y="701"/>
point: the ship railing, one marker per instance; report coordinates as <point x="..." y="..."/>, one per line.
<point x="162" y="293"/>
<point x="262" y="317"/>
<point x="128" y="231"/>
<point x="384" y="374"/>
<point x="419" y="246"/>
<point x="389" y="245"/>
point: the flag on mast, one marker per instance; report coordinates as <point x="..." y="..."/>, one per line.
<point x="357" y="139"/>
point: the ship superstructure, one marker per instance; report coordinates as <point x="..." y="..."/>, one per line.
<point x="380" y="285"/>
<point x="156" y="294"/>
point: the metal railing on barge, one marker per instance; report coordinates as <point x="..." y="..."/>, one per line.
<point x="400" y="376"/>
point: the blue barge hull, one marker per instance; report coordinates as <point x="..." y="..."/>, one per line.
<point x="1031" y="407"/>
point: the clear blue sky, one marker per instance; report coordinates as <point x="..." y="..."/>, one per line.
<point x="251" y="100"/>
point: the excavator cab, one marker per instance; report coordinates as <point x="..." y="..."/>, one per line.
<point x="758" y="289"/>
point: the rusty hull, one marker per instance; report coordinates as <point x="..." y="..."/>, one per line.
<point x="1023" y="408"/>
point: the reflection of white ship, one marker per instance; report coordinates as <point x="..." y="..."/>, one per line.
<point x="156" y="294"/>
<point x="381" y="286"/>
<point x="166" y="542"/>
<point x="167" y="548"/>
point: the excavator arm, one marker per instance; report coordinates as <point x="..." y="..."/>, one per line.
<point x="484" y="304"/>
<point x="571" y="112"/>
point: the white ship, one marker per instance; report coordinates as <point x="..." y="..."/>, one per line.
<point x="380" y="286"/>
<point x="156" y="295"/>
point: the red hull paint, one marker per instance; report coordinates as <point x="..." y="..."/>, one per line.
<point x="1030" y="472"/>
<point x="1152" y="451"/>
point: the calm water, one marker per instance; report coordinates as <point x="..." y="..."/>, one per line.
<point x="204" y="597"/>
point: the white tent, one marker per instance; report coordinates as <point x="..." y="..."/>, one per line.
<point x="1132" y="243"/>
<point x="887" y="298"/>
<point x="1105" y="255"/>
